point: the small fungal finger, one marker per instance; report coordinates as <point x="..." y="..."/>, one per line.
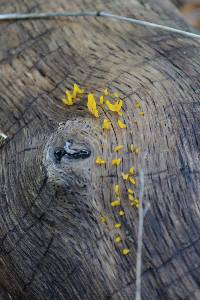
<point x="115" y="203"/>
<point x="118" y="148"/>
<point x="118" y="225"/>
<point x="100" y="161"/>
<point x="121" y="124"/>
<point x="116" y="162"/>
<point x="125" y="251"/>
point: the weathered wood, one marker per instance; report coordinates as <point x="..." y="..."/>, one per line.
<point x="52" y="245"/>
<point x="4" y="294"/>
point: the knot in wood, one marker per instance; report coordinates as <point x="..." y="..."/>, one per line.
<point x="68" y="156"/>
<point x="71" y="152"/>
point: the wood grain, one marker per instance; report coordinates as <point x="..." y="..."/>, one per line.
<point x="52" y="245"/>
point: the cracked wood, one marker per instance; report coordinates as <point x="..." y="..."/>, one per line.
<point x="52" y="245"/>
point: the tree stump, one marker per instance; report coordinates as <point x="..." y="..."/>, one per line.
<point x="52" y="244"/>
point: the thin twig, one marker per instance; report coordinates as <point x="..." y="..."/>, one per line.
<point x="150" y="24"/>
<point x="44" y="15"/>
<point x="142" y="213"/>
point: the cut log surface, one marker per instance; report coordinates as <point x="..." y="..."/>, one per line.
<point x="52" y="243"/>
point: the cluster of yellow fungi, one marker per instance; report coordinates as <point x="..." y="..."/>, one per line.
<point x="117" y="203"/>
<point x="129" y="176"/>
<point x="71" y="98"/>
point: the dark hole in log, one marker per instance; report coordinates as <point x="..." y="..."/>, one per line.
<point x="59" y="153"/>
<point x="71" y="153"/>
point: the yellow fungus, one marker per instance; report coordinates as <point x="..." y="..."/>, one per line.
<point x="121" y="213"/>
<point x="118" y="225"/>
<point x="121" y="124"/>
<point x="71" y="97"/>
<point x="132" y="180"/>
<point x="115" y="203"/>
<point x="118" y="148"/>
<point x="101" y="100"/>
<point x="125" y="251"/>
<point x="100" y="161"/>
<point x="138" y="104"/>
<point x="106" y="92"/>
<point x="130" y="197"/>
<point x="124" y="176"/>
<point x="130" y="191"/>
<point x="103" y="219"/>
<point x="116" y="107"/>
<point x="106" y="124"/>
<point x="68" y="100"/>
<point x="116" y="162"/>
<point x="92" y="107"/>
<point x="137" y="151"/>
<point x="132" y="148"/>
<point x="77" y="91"/>
<point x="136" y="203"/>
<point x="132" y="170"/>
<point x="116" y="189"/>
<point x="118" y="239"/>
<point x="141" y="113"/>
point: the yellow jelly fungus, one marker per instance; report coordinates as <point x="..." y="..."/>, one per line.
<point x="101" y="100"/>
<point x="130" y="191"/>
<point x="115" y="203"/>
<point x="124" y="176"/>
<point x="106" y="124"/>
<point x="92" y="107"/>
<point x="77" y="91"/>
<point x="118" y="225"/>
<point x="132" y="148"/>
<point x="116" y="189"/>
<point x="132" y="180"/>
<point x="138" y="104"/>
<point x="141" y="113"/>
<point x="116" y="107"/>
<point x="118" y="148"/>
<point x="118" y="239"/>
<point x="125" y="251"/>
<point x="116" y="162"/>
<point x="137" y="151"/>
<point x="100" y="161"/>
<point x="106" y="92"/>
<point x="103" y="219"/>
<point x="121" y="213"/>
<point x="121" y="124"/>
<point x="136" y="201"/>
<point x="132" y="170"/>
<point x="130" y="197"/>
<point x="68" y="100"/>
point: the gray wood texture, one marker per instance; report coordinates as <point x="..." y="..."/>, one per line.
<point x="52" y="245"/>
